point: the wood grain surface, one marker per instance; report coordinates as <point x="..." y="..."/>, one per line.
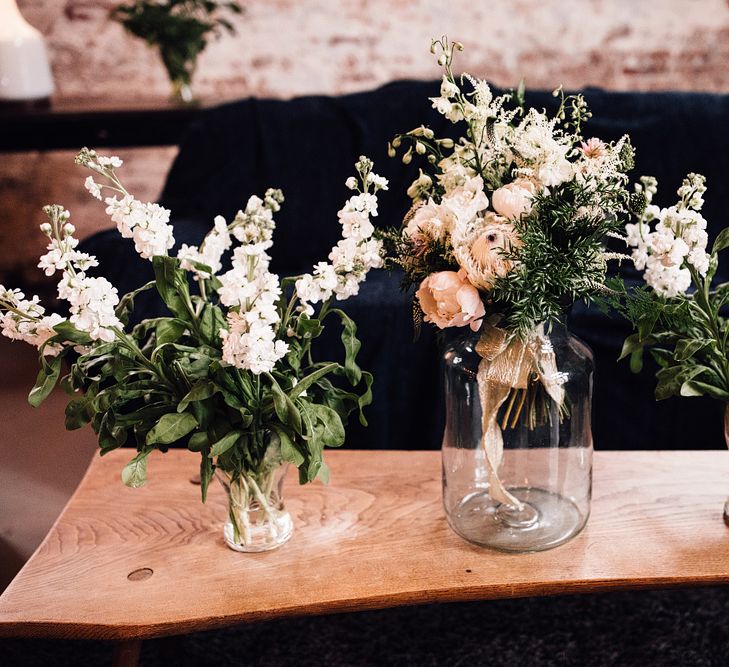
<point x="134" y="563"/>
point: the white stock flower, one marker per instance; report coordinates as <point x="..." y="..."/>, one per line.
<point x="92" y="302"/>
<point x="213" y="247"/>
<point x="354" y="255"/>
<point x="147" y="224"/>
<point x="93" y="187"/>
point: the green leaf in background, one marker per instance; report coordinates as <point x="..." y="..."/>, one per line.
<point x="722" y="241"/>
<point x="46" y="380"/>
<point x="199" y="392"/>
<point x="135" y="472"/>
<point x="170" y="428"/>
<point x="225" y="443"/>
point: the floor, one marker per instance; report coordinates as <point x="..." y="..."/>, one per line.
<point x="40" y="462"/>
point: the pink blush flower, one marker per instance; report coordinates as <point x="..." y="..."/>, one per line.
<point x="448" y="299"/>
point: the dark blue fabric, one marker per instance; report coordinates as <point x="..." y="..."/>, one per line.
<point x="308" y="146"/>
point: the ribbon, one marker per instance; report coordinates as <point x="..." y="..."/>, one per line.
<point x="508" y="364"/>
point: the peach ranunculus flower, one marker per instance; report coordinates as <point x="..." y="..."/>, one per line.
<point x="429" y="220"/>
<point x="482" y="254"/>
<point x="448" y="299"/>
<point x="515" y="199"/>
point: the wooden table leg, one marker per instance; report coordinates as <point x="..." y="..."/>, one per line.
<point x="126" y="653"/>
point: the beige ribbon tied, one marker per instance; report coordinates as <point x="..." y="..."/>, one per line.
<point x="509" y="363"/>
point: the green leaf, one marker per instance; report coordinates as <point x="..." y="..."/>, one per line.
<point x="688" y="347"/>
<point x="199" y="392"/>
<point x="198" y="441"/>
<point x="702" y="388"/>
<point x="323" y="473"/>
<point x="669" y="382"/>
<point x="351" y="347"/>
<point x="330" y="430"/>
<point x="285" y="409"/>
<point x="636" y="361"/>
<point x="126" y="305"/>
<point x="722" y="241"/>
<point x="630" y="345"/>
<point x="172" y="285"/>
<point x="366" y="398"/>
<point x="225" y="443"/>
<point x="169" y="330"/>
<point x="134" y="473"/>
<point x="289" y="452"/>
<point x="206" y="474"/>
<point x="76" y="413"/>
<point x="46" y="380"/>
<point x="302" y="385"/>
<point x="211" y="322"/>
<point x="170" y="428"/>
<point x="70" y="333"/>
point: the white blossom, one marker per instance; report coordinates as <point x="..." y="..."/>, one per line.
<point x="354" y="255"/>
<point x="147" y="224"/>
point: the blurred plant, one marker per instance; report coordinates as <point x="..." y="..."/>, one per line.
<point x="180" y="29"/>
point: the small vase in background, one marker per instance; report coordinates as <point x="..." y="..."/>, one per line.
<point x="180" y="31"/>
<point x="257" y="517"/>
<point x="526" y="486"/>
<point x="25" y="75"/>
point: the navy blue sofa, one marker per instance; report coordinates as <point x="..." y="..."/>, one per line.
<point x="308" y="146"/>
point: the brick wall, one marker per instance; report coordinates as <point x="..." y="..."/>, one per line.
<point x="294" y="47"/>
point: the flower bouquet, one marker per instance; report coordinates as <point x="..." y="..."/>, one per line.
<point x="507" y="229"/>
<point x="684" y="331"/>
<point x="230" y="373"/>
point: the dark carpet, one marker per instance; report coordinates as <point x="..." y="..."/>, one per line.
<point x="679" y="627"/>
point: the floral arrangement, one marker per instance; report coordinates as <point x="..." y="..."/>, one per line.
<point x="180" y="29"/>
<point x="684" y="331"/>
<point x="507" y="229"/>
<point x="511" y="219"/>
<point x="231" y="372"/>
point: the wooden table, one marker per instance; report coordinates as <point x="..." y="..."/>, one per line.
<point x="128" y="564"/>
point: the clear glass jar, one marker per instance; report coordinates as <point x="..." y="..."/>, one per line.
<point x="527" y="485"/>
<point x="257" y="517"/>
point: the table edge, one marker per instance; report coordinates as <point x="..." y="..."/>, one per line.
<point x="100" y="631"/>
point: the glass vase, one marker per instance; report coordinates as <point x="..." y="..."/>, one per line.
<point x="257" y="517"/>
<point x="517" y="448"/>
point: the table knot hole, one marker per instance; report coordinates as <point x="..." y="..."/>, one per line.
<point x="141" y="574"/>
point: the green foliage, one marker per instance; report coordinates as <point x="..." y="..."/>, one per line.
<point x="561" y="260"/>
<point x="180" y="29"/>
<point x="686" y="335"/>
<point x="164" y="384"/>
